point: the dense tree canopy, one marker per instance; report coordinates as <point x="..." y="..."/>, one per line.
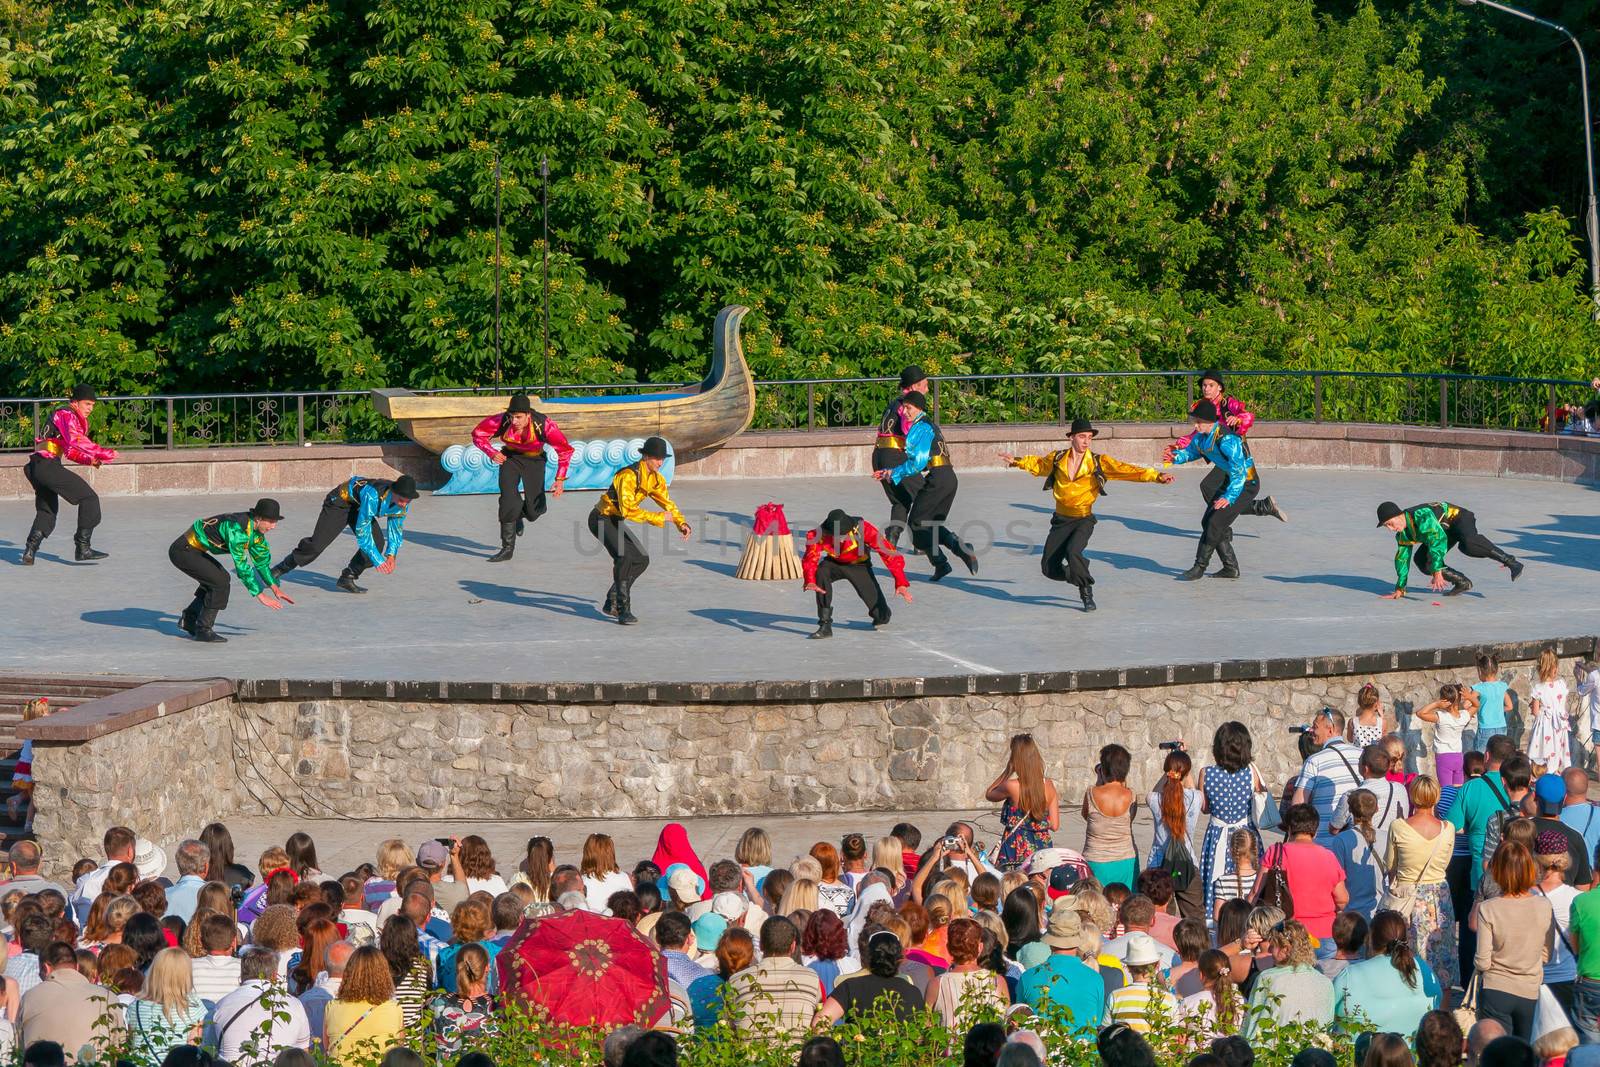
<point x="221" y="194"/>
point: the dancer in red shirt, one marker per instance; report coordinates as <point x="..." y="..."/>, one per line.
<point x="523" y="433"/>
<point x="842" y="547"/>
<point x="66" y="437"/>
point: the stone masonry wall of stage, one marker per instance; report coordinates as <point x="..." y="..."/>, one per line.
<point x="846" y="452"/>
<point x="415" y="760"/>
<point x="582" y="755"/>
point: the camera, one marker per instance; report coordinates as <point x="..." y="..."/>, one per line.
<point x="1170" y="746"/>
<point x="954" y="844"/>
<point x="236" y="895"/>
<point x="1300" y="728"/>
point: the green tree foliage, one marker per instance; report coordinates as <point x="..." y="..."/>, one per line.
<point x="250" y="194"/>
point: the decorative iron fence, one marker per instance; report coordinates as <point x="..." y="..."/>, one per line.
<point x="301" y="418"/>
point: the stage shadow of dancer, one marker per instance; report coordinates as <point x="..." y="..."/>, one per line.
<point x="575" y="607"/>
<point x="461" y="546"/>
<point x="726" y="569"/>
<point x="1136" y="525"/>
<point x="1566" y="541"/>
<point x="313" y="579"/>
<point x="750" y="622"/>
<point x="1358" y="582"/>
<point x="165" y="622"/>
<point x="984" y="587"/>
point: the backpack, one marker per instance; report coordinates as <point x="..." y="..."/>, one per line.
<point x="1178" y="861"/>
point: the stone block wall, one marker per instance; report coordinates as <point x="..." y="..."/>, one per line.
<point x="164" y="778"/>
<point x="554" y="760"/>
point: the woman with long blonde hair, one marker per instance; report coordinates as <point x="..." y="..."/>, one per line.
<point x="1549" y="740"/>
<point x="1030" y="807"/>
<point x="888" y="854"/>
<point x="800" y="896"/>
<point x="167" y="1011"/>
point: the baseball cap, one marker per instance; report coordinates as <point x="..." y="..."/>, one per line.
<point x="1063" y="880"/>
<point x="1551" y="791"/>
<point x="684" y="884"/>
<point x="432" y="854"/>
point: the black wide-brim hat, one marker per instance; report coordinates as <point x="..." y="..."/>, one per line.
<point x="520" y="402"/>
<point x="1212" y="374"/>
<point x="267" y="508"/>
<point x="654" y="447"/>
<point x="1082" y="426"/>
<point x="838" y="522"/>
<point x="1204" y="411"/>
<point x="916" y="400"/>
<point x="1388" y="510"/>
<point x="404" y="487"/>
<point x="83" y="392"/>
<point x="911" y="376"/>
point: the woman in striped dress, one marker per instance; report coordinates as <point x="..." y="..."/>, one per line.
<point x="408" y="966"/>
<point x="1228" y="789"/>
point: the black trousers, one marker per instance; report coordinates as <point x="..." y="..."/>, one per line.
<point x="1512" y="1012"/>
<point x="529" y="502"/>
<point x="1063" y="550"/>
<point x="52" y="483"/>
<point x="1458" y="876"/>
<point x="628" y="557"/>
<point x="857" y="574"/>
<point x="335" y="516"/>
<point x="1217" y="524"/>
<point x="212" y="591"/>
<point x="900" y="496"/>
<point x="1463" y="534"/>
<point x="929" y="510"/>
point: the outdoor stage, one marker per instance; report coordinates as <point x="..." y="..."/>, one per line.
<point x="1310" y="589"/>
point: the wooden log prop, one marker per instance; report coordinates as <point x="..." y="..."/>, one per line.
<point x="769" y="553"/>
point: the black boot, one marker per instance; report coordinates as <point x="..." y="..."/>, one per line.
<point x="191" y="615"/>
<point x="1088" y="596"/>
<point x="824" y="623"/>
<point x="521" y="526"/>
<point x="625" y="603"/>
<point x="203" y="630"/>
<point x="283" y="566"/>
<point x="969" y="557"/>
<point x="35" y="539"/>
<point x="508" y="542"/>
<point x="347" y="582"/>
<point x="1508" y="561"/>
<point x="1230" y="562"/>
<point x="82" y="552"/>
<point x="610" y="606"/>
<point x="941" y="568"/>
<point x="1459" y="583"/>
<point x="1202" y="560"/>
<point x="1269" y="507"/>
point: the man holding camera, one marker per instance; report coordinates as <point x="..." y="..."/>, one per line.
<point x="1329" y="774"/>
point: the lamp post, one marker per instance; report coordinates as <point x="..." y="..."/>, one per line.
<point x="1591" y="222"/>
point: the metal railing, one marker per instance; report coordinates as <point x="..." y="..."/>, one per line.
<point x="348" y="416"/>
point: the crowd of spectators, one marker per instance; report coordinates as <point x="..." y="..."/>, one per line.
<point x="1451" y="909"/>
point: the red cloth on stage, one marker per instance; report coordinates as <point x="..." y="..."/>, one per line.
<point x="770" y="519"/>
<point x="851" y="549"/>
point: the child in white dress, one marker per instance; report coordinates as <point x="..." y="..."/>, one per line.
<point x="1549" y="741"/>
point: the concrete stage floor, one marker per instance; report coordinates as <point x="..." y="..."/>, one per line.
<point x="1310" y="588"/>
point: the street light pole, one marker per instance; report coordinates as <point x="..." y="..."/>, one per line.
<point x="1591" y="221"/>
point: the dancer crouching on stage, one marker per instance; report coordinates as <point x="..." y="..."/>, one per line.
<point x="358" y="503"/>
<point x="241" y="535"/>
<point x="523" y="433"/>
<point x="842" y="547"/>
<point x="1433" y="530"/>
<point x="931" y="481"/>
<point x="619" y="504"/>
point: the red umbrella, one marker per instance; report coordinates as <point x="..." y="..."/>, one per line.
<point x="585" y="969"/>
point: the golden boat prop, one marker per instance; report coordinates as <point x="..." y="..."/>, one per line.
<point x="606" y="431"/>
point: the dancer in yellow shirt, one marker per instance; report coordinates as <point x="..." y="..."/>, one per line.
<point x="1077" y="477"/>
<point x="621" y="503"/>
